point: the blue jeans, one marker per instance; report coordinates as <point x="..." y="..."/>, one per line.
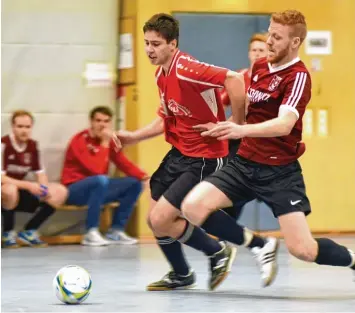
<point x="95" y="191"/>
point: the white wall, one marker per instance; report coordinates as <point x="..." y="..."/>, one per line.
<point x="45" y="45"/>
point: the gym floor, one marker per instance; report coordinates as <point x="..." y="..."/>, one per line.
<point x="120" y="274"/>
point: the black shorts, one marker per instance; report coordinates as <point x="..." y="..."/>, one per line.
<point x="233" y="145"/>
<point x="27" y="202"/>
<point x="178" y="174"/>
<point x="280" y="187"/>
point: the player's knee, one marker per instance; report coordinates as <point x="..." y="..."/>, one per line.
<point x="194" y="209"/>
<point x="149" y="223"/>
<point x="58" y="194"/>
<point x="102" y="181"/>
<point x="9" y="196"/>
<point x="187" y="209"/>
<point x="159" y="222"/>
<point x="305" y="251"/>
<point x="136" y="186"/>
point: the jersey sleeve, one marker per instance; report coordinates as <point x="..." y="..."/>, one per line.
<point x="204" y="76"/>
<point x="3" y="147"/>
<point x="297" y="94"/>
<point x="37" y="165"/>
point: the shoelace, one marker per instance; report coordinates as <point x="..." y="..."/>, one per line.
<point x="171" y="277"/>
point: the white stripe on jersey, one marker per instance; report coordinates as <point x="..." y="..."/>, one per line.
<point x="172" y="63"/>
<point x="159" y="73"/>
<point x="297" y="90"/>
<point x="210" y="98"/>
<point x="193" y="80"/>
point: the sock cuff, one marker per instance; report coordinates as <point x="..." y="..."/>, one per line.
<point x="352" y="255"/>
<point x="248" y="236"/>
<point x="165" y="240"/>
<point x="185" y="236"/>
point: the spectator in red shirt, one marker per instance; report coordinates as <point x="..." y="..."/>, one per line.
<point x="85" y="174"/>
<point x="20" y="156"/>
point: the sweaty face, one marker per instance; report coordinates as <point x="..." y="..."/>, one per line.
<point x="279" y="42"/>
<point x="98" y="123"/>
<point x="157" y="49"/>
<point x="22" y="128"/>
<point x="257" y="50"/>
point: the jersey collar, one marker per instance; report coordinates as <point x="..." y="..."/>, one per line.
<point x="17" y="147"/>
<point x="282" y="67"/>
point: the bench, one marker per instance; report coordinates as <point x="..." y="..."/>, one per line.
<point x="105" y="221"/>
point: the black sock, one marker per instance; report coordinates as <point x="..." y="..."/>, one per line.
<point x="172" y="250"/>
<point x="221" y="225"/>
<point x="44" y="212"/>
<point x="8" y="218"/>
<point x="256" y="241"/>
<point x="196" y="238"/>
<point x="331" y="253"/>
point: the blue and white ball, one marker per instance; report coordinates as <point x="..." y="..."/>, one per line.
<point x="72" y="284"/>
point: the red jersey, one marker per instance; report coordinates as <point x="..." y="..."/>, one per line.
<point x="86" y="157"/>
<point x="18" y="161"/>
<point x="288" y="87"/>
<point x="188" y="97"/>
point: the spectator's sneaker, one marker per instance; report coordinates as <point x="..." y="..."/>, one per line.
<point x="31" y="238"/>
<point x="352" y="265"/>
<point x="220" y="264"/>
<point x="94" y="238"/>
<point x="8" y="240"/>
<point x="173" y="281"/>
<point x="266" y="259"/>
<point x="120" y="237"/>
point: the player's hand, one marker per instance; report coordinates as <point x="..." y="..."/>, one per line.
<point x="107" y="135"/>
<point x="225" y="130"/>
<point x="204" y="127"/>
<point x="37" y="190"/>
<point x="146" y="183"/>
<point x="126" y="137"/>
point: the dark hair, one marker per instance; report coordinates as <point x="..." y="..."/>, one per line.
<point x="164" y="24"/>
<point x="21" y="113"/>
<point x="101" y="109"/>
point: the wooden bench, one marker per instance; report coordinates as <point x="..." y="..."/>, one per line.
<point x="105" y="222"/>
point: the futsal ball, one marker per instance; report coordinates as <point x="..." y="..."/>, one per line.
<point x="72" y="284"/>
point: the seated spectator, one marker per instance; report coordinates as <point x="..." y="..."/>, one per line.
<point x="85" y="174"/>
<point x="20" y="155"/>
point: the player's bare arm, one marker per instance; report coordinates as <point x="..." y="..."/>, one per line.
<point x="33" y="187"/>
<point x="277" y="127"/>
<point x="235" y="88"/>
<point x="153" y="129"/>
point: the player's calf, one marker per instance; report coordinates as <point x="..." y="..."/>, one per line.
<point x="301" y="244"/>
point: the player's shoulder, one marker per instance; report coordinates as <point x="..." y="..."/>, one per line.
<point x="5" y="139"/>
<point x="298" y="72"/>
<point x="260" y="64"/>
<point x="299" y="67"/>
<point x="83" y="134"/>
<point x="184" y="58"/>
<point x="32" y="144"/>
